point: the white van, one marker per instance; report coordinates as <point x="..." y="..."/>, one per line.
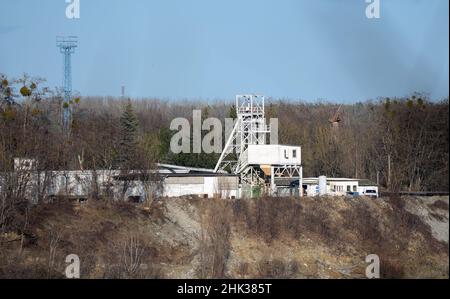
<point x="371" y="191"/>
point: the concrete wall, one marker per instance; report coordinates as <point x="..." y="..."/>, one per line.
<point x="185" y="180"/>
<point x="177" y="190"/>
<point x="210" y="187"/>
<point x="273" y="154"/>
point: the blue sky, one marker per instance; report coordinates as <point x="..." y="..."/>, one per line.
<point x="312" y="49"/>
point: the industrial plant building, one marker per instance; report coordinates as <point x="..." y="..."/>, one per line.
<point x="249" y="166"/>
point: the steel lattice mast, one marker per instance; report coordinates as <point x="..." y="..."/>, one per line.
<point x="67" y="45"/>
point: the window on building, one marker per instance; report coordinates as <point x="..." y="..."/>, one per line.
<point x="348" y="188"/>
<point x="285" y="154"/>
<point x="294" y="154"/>
<point x="354" y="188"/>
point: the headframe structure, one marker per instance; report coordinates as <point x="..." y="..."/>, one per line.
<point x="247" y="140"/>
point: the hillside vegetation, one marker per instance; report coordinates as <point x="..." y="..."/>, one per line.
<point x="260" y="238"/>
<point x="402" y="143"/>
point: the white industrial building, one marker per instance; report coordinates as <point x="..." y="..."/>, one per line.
<point x="166" y="181"/>
<point x="339" y="187"/>
<point x="178" y="181"/>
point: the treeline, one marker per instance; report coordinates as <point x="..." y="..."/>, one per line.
<point x="401" y="142"/>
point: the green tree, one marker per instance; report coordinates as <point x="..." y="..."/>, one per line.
<point x="128" y="141"/>
<point x="232" y="112"/>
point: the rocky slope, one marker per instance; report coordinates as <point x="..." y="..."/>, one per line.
<point x="267" y="238"/>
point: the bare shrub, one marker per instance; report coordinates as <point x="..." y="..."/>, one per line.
<point x="132" y="251"/>
<point x="391" y="269"/>
<point x="277" y="269"/>
<point x="54" y="239"/>
<point x="264" y="220"/>
<point x="19" y="270"/>
<point x="243" y="269"/>
<point x="125" y="257"/>
<point x="316" y="218"/>
<point x="130" y="256"/>
<point x="215" y="240"/>
<point x="360" y="219"/>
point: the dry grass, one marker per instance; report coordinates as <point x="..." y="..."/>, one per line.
<point x="215" y="238"/>
<point x="99" y="232"/>
<point x="259" y="238"/>
<point x="349" y="228"/>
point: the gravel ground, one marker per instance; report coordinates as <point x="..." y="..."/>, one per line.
<point x="436" y="218"/>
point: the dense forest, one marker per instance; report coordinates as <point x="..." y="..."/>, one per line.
<point x="401" y="141"/>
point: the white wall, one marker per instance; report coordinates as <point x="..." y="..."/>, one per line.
<point x="273" y="154"/>
<point x="210" y="187"/>
<point x="79" y="184"/>
<point x="340" y="187"/>
<point x="312" y="190"/>
<point x="177" y="190"/>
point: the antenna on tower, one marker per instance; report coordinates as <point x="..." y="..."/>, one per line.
<point x="67" y="45"/>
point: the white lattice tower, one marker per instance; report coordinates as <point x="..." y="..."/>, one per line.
<point x="250" y="128"/>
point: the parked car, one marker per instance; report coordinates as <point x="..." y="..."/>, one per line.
<point x="371" y="193"/>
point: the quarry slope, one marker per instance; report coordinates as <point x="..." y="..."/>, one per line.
<point x="260" y="238"/>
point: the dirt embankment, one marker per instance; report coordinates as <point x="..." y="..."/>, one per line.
<point x="267" y="238"/>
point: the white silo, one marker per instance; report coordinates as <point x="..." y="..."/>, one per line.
<point x="322" y="185"/>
